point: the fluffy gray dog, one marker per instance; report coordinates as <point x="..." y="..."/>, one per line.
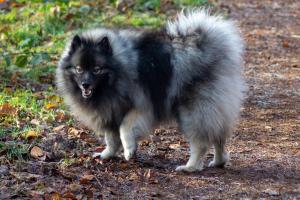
<point x="123" y="83"/>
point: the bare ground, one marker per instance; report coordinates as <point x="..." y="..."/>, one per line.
<point x="265" y="148"/>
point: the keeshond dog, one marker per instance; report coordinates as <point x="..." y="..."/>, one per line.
<point x="123" y="83"/>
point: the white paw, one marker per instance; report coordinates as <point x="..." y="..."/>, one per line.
<point x="220" y="162"/>
<point x="213" y="163"/>
<point x="128" y="154"/>
<point x="184" y="168"/>
<point x="95" y="155"/>
<point x="106" y="154"/>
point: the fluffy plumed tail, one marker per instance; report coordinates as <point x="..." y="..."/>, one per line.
<point x="214" y="29"/>
<point x="190" y="21"/>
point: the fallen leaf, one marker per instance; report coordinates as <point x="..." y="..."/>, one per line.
<point x="174" y="146"/>
<point x="37" y="194"/>
<point x="69" y="195"/>
<point x="36" y="152"/>
<point x="8" y="90"/>
<point x="6" y="110"/>
<point x="15" y="76"/>
<point x="285" y="44"/>
<point x="55" y="196"/>
<point x="74" y="187"/>
<point x="59" y="128"/>
<point x="123" y="165"/>
<point x="99" y="148"/>
<point x="112" y="191"/>
<point x="89" y="193"/>
<point x="269" y="128"/>
<point x="51" y="106"/>
<point x="55" y="98"/>
<point x="90" y="139"/>
<point x="61" y="116"/>
<point x="68" y="16"/>
<point x="149" y="174"/>
<point x="35" y="122"/>
<point x="25" y="176"/>
<point x="31" y="135"/>
<point x="133" y="177"/>
<point x="38" y="95"/>
<point x="86" y="178"/>
<point x="73" y="131"/>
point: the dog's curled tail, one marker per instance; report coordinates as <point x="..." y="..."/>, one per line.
<point x="214" y="29"/>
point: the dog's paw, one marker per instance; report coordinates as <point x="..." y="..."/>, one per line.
<point x="128" y="154"/>
<point x="219" y="163"/>
<point x="184" y="168"/>
<point x="106" y="154"/>
<point x="213" y="163"/>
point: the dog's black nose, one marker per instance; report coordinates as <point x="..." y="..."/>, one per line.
<point x="85" y="85"/>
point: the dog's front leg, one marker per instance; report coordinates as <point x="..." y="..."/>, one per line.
<point x="135" y="125"/>
<point x="113" y="144"/>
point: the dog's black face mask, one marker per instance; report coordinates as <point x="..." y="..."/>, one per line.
<point x="90" y="66"/>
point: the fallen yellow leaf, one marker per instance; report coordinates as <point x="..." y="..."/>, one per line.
<point x="55" y="196"/>
<point x="36" y="152"/>
<point x="31" y="135"/>
<point x="55" y="98"/>
<point x="51" y="106"/>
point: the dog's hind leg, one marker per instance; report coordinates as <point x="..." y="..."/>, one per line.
<point x="113" y="143"/>
<point x="135" y="125"/>
<point x="198" y="151"/>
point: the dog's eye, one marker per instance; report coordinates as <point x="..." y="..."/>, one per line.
<point x="78" y="69"/>
<point x="97" y="70"/>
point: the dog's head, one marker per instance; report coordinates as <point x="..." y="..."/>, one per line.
<point x="89" y="66"/>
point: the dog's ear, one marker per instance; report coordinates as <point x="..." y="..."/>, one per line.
<point x="76" y="42"/>
<point x="105" y="46"/>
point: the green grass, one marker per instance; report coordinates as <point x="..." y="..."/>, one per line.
<point x="32" y="35"/>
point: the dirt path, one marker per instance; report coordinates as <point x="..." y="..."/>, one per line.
<point x="265" y="158"/>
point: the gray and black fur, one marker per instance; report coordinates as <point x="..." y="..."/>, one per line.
<point x="122" y="83"/>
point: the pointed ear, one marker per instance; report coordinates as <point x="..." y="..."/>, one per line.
<point x="76" y="42"/>
<point x="105" y="46"/>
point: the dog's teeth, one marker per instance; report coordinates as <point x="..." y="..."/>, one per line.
<point x="86" y="93"/>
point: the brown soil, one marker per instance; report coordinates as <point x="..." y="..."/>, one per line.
<point x="265" y="148"/>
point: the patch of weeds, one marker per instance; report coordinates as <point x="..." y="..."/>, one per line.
<point x="143" y="5"/>
<point x="9" y="17"/>
<point x="14" y="150"/>
<point x="26" y="36"/>
<point x="191" y="3"/>
<point x="139" y="20"/>
<point x="54" y="25"/>
<point x="66" y="162"/>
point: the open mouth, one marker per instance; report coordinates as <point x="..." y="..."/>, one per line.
<point x="86" y="93"/>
